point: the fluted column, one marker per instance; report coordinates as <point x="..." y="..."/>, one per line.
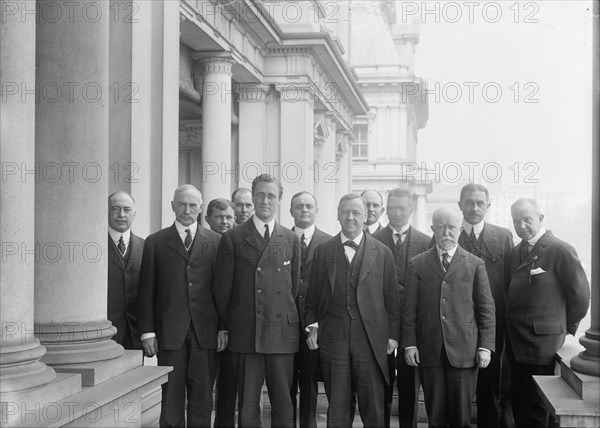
<point x="421" y="223"/>
<point x="217" y="169"/>
<point x="296" y="129"/>
<point x="326" y="176"/>
<point x="254" y="99"/>
<point x="588" y="361"/>
<point x="71" y="150"/>
<point x="343" y="157"/>
<point x="20" y="351"/>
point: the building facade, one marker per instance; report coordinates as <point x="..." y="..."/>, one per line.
<point x="382" y="49"/>
<point x="144" y="96"/>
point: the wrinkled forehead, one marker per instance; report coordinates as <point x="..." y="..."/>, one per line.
<point x="188" y="196"/>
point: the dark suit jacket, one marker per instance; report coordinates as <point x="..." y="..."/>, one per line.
<point x="542" y="308"/>
<point x="175" y="288"/>
<point x="123" y="276"/>
<point x="255" y="289"/>
<point x="377" y="292"/>
<point x="318" y="237"/>
<point x="453" y="308"/>
<point x="495" y="249"/>
<point x="416" y="242"/>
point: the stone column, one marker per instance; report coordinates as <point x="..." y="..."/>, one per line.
<point x="296" y="142"/>
<point x="421" y="217"/>
<point x="588" y="361"/>
<point x="217" y="170"/>
<point x="343" y="156"/>
<point x="254" y="99"/>
<point x="20" y="351"/>
<point x="326" y="174"/>
<point x="71" y="150"/>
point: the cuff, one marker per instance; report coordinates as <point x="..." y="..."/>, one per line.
<point x="148" y="336"/>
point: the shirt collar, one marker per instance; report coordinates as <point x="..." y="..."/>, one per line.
<point x="116" y="235"/>
<point x="373" y="228"/>
<point x="477" y="228"/>
<point x="403" y="229"/>
<point x="308" y="232"/>
<point x="533" y="240"/>
<point x="181" y="228"/>
<point x="450" y="252"/>
<point x="260" y="225"/>
<point x="356" y="240"/>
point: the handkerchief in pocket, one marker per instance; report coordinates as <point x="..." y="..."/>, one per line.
<point x="536" y="271"/>
<point x="286" y="262"/>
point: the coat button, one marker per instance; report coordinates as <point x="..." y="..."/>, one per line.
<point x="258" y="268"/>
<point x="301" y="280"/>
<point x="444" y="299"/>
<point x="190" y="284"/>
<point x="443" y="317"/>
<point x="259" y="291"/>
<point x="278" y="269"/>
<point x="188" y="266"/>
<point x="278" y="315"/>
<point x="301" y="296"/>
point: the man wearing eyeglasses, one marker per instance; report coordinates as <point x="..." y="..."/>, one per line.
<point x="124" y="261"/>
<point x="492" y="244"/>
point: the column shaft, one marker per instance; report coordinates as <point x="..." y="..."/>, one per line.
<point x="326" y="175"/>
<point x="217" y="171"/>
<point x="20" y="351"/>
<point x="71" y="152"/>
<point x="297" y="153"/>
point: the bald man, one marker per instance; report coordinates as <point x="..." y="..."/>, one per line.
<point x="448" y="323"/>
<point x="177" y="317"/>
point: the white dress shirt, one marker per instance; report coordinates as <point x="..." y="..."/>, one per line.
<point x="116" y="235"/>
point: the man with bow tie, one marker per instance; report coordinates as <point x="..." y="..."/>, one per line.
<point x="177" y="317"/>
<point x="405" y="242"/>
<point x="255" y="288"/>
<point x="547" y="297"/>
<point x="492" y="244"/>
<point x="353" y="316"/>
<point x="124" y="261"/>
<point x="448" y="322"/>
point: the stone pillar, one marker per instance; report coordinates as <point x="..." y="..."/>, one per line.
<point x="404" y="139"/>
<point x="421" y="214"/>
<point x="254" y="99"/>
<point x="217" y="170"/>
<point x="343" y="157"/>
<point x="326" y="174"/>
<point x="20" y="351"/>
<point x="588" y="361"/>
<point x="296" y="142"/>
<point x="71" y="151"/>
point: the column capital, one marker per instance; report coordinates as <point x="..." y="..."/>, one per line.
<point x="292" y="92"/>
<point x="216" y="64"/>
<point x="254" y="92"/>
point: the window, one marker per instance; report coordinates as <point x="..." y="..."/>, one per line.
<point x="360" y="144"/>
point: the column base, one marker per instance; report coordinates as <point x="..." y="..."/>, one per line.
<point x="572" y="397"/>
<point x="78" y="342"/>
<point x="588" y="361"/>
<point x="20" y="368"/>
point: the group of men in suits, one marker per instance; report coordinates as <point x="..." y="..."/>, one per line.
<point x="256" y="302"/>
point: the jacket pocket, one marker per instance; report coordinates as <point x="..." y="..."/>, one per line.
<point x="547" y="327"/>
<point x="293" y="317"/>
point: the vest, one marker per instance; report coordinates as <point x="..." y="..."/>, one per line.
<point x="346" y="281"/>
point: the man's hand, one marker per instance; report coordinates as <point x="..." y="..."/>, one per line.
<point x="411" y="356"/>
<point x="222" y="340"/>
<point x="483" y="358"/>
<point x="150" y="346"/>
<point x="392" y="345"/>
<point x="311" y="340"/>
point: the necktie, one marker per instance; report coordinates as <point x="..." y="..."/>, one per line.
<point x="351" y="244"/>
<point x="303" y="241"/>
<point x="472" y="235"/>
<point x="445" y="261"/>
<point x="266" y="235"/>
<point x="303" y="247"/>
<point x="188" y="239"/>
<point x="400" y="241"/>
<point x="525" y="249"/>
<point x="121" y="246"/>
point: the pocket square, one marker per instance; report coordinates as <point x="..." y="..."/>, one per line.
<point x="286" y="262"/>
<point x="536" y="271"/>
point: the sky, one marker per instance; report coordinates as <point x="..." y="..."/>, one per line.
<point x="510" y="89"/>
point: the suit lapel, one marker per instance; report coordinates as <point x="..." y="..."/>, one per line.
<point x="252" y="237"/>
<point x="134" y="251"/>
<point x="370" y="252"/>
<point x="174" y="241"/>
<point x="432" y="259"/>
<point x="490" y="242"/>
<point x="114" y="255"/>
<point x="457" y="261"/>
